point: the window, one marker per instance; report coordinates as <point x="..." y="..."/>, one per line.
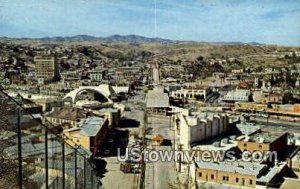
<point x="212" y="176"/>
<point x="200" y="174"/>
<point x="245" y="145"/>
<point x="250" y="181"/>
<point x="226" y="178"/>
<point x="237" y="180"/>
<point x="260" y="146"/>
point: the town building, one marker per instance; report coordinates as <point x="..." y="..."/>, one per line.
<point x="89" y="134"/>
<point x="66" y="116"/>
<point x="275" y="98"/>
<point x="264" y="141"/>
<point x="102" y="93"/>
<point x="192" y="93"/>
<point x="193" y="129"/>
<point x="241" y="173"/>
<point x="15" y="77"/>
<point x="250" y="106"/>
<point x="231" y="80"/>
<point x="231" y="173"/>
<point x="45" y="67"/>
<point x="238" y="95"/>
<point x="96" y="75"/>
<point x="157" y="101"/>
<point x="113" y="115"/>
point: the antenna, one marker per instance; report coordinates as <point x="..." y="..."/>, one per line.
<point x="155" y="20"/>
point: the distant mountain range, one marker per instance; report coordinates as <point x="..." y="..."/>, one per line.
<point x="136" y="39"/>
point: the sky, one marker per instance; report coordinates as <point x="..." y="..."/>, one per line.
<point x="263" y="21"/>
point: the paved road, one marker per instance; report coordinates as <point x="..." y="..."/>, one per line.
<point x="116" y="179"/>
<point x="160" y="175"/>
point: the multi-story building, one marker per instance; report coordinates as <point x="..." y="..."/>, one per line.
<point x="264" y="141"/>
<point x="66" y="116"/>
<point x="231" y="173"/>
<point x="157" y="101"/>
<point x="96" y="75"/>
<point x="239" y="95"/>
<point x="275" y="98"/>
<point x="112" y="114"/>
<point x="250" y="106"/>
<point x="45" y="67"/>
<point x="90" y="133"/>
<point x="192" y="93"/>
<point x="192" y="129"/>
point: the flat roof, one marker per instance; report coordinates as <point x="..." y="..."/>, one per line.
<point x="246" y="168"/>
<point x="92" y="126"/>
<point x="156" y="98"/>
<point x="262" y="137"/>
<point x="216" y="144"/>
<point x="271" y="173"/>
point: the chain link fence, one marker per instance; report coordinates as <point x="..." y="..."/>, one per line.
<point x="32" y="156"/>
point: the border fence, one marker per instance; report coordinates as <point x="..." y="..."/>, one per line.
<point x="33" y="156"/>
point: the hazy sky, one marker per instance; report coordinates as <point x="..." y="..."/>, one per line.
<point x="264" y="21"/>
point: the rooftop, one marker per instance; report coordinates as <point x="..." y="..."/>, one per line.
<point x="223" y="143"/>
<point x="262" y="137"/>
<point x="202" y="116"/>
<point x="271" y="173"/>
<point x="248" y="128"/>
<point x="113" y="110"/>
<point x="196" y="87"/>
<point x="68" y="113"/>
<point x="239" y="92"/>
<point x="156" y="98"/>
<point x="92" y="125"/>
<point x="246" y="168"/>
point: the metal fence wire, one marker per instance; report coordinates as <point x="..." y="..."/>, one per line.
<point x="32" y="156"/>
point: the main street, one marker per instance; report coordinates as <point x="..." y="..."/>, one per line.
<point x="160" y="174"/>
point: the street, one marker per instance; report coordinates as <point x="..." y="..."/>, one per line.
<point x="115" y="178"/>
<point x="160" y="175"/>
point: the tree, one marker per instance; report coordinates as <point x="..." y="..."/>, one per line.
<point x="200" y="58"/>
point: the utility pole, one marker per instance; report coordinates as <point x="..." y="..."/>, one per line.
<point x="170" y="122"/>
<point x="179" y="166"/>
<point x="143" y="146"/>
<point x="188" y="178"/>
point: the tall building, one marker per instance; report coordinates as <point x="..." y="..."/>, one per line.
<point x="96" y="75"/>
<point x="45" y="67"/>
<point x="192" y="129"/>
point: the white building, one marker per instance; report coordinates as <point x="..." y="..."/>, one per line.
<point x="192" y="93"/>
<point x="192" y="129"/>
<point x="96" y="75"/>
<point x="239" y="95"/>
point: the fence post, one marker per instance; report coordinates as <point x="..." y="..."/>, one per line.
<point x="63" y="166"/>
<point x="75" y="168"/>
<point x="84" y="172"/>
<point x="46" y="160"/>
<point x="20" y="176"/>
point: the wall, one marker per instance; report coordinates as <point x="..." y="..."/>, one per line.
<point x="218" y="177"/>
